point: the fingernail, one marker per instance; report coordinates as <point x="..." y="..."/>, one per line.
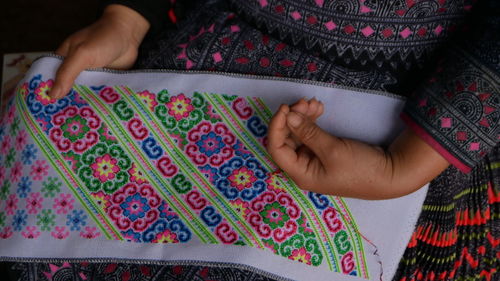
<point x="54" y="93"/>
<point x="294" y="119"/>
<point x="284" y="108"/>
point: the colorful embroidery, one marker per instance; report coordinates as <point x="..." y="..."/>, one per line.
<point x="167" y="168"/>
<point x="37" y="204"/>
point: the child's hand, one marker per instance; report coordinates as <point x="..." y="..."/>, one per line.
<point x="320" y="162"/>
<point x="112" y="41"/>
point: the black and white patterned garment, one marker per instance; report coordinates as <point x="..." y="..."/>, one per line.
<point x="364" y="44"/>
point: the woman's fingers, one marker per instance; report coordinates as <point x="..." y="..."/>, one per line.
<point x="311" y="108"/>
<point x="311" y="135"/>
<point x="63" y="49"/>
<point x="279" y="146"/>
<point x="75" y="62"/>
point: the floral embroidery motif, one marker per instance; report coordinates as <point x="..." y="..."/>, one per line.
<point x="148" y="98"/>
<point x="34" y="203"/>
<point x="242" y="178"/>
<point x="39" y="170"/>
<point x="105" y="168"/>
<point x="179" y="107"/>
<point x="76" y="220"/>
<point x="46" y="220"/>
<point x="134" y="207"/>
<point x="51" y="187"/>
<point x="301" y="255"/>
<point x="166" y="237"/>
<point x="75" y="129"/>
<point x="136" y="175"/>
<point x="42" y="92"/>
<point x="63" y="204"/>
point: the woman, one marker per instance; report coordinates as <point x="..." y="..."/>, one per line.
<point x="452" y="112"/>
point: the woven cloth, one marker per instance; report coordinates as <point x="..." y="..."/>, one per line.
<point x="171" y="168"/>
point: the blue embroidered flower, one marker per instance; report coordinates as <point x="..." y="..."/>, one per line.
<point x="135" y="207"/>
<point x="240" y="178"/>
<point x="19" y="220"/>
<point x="76" y="220"/>
<point x="28" y="154"/>
<point x="210" y="144"/>
<point x="24" y="187"/>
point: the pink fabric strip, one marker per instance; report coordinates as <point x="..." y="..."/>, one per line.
<point x="436" y="145"/>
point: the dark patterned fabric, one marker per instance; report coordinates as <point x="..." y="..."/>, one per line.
<point x="457" y="236"/>
<point x="378" y="45"/>
<point x="215" y="38"/>
<point x="468" y="127"/>
<point x="129" y="272"/>
<point x="392" y="35"/>
<point x="458" y="108"/>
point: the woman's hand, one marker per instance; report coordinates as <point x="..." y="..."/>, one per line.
<point x="320" y="162"/>
<point x="112" y="41"/>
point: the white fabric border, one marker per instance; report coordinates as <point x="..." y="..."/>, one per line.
<point x="370" y="117"/>
<point x="239" y="256"/>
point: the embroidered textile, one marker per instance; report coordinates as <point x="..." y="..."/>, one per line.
<point x="108" y="163"/>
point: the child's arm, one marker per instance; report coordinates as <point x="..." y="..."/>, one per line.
<point x="112" y="41"/>
<point x="320" y="162"/>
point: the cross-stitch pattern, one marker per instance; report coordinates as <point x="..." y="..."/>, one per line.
<point x="106" y="162"/>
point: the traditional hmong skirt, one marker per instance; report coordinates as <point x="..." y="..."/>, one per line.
<point x="171" y="168"/>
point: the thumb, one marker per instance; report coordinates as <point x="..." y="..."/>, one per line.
<point x="310" y="134"/>
<point x="70" y="68"/>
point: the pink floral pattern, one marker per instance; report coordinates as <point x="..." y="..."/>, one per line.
<point x="210" y="144"/>
<point x="179" y="107"/>
<point x="242" y="178"/>
<point x="31" y="232"/>
<point x="60" y="232"/>
<point x="34" y="203"/>
<point x="75" y="129"/>
<point x="166" y="236"/>
<point x="63" y="204"/>
<point x="90" y="233"/>
<point x="16" y="171"/>
<point x="105" y="168"/>
<point x="42" y="92"/>
<point x="5" y="145"/>
<point x="11" y="204"/>
<point x="148" y="98"/>
<point x="21" y="139"/>
<point x="301" y="255"/>
<point x="39" y="170"/>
